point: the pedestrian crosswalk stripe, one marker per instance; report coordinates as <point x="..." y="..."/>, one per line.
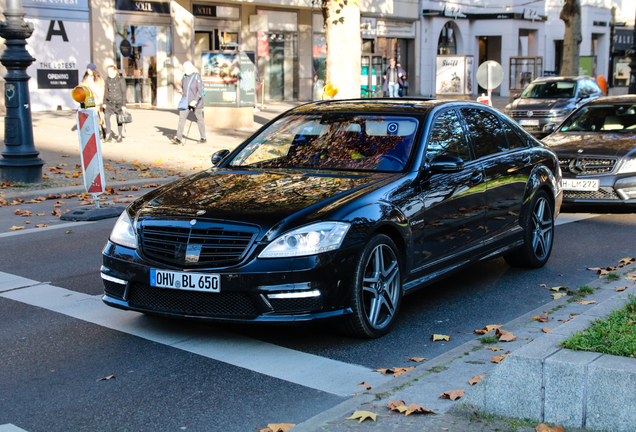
<point x="309" y="370"/>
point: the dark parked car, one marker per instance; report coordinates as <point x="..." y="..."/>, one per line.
<point x="596" y="146"/>
<point x="546" y="102"/>
<point x="337" y="209"/>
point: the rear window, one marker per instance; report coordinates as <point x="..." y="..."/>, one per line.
<point x="332" y="141"/>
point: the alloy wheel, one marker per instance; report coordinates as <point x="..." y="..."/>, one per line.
<point x="381" y="286"/>
<point x="541" y="228"/>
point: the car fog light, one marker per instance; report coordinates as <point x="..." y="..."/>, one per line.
<point x="113" y="279"/>
<point x="294" y="295"/>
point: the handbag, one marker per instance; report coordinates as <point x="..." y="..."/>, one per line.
<point x="124" y="117"/>
<point x="183" y="103"/>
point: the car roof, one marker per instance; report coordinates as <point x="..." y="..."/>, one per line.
<point x="404" y="105"/>
<point x="612" y="99"/>
<point x="561" y="78"/>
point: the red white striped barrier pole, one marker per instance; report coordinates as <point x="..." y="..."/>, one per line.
<point x="91" y="153"/>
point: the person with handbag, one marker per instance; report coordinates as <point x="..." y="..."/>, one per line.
<point x="191" y="100"/>
<point x="114" y="102"/>
<point x="94" y="81"/>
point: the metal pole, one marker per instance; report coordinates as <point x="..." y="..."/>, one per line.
<point x="20" y="161"/>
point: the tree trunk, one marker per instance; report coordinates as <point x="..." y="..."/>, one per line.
<point x="342" y="32"/>
<point x="571" y="16"/>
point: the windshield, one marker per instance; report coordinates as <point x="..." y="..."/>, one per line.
<point x="332" y="141"/>
<point x="615" y="118"/>
<point x="550" y="90"/>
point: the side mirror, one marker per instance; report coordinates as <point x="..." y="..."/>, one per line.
<point x="446" y="164"/>
<point x="517" y="96"/>
<point x="584" y="96"/>
<point x="218" y="156"/>
<point x="549" y="128"/>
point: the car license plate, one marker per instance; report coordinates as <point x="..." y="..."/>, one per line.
<point x="185" y="281"/>
<point x="580" y="185"/>
<point x="529" y="122"/>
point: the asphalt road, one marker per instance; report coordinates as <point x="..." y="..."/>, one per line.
<point x="233" y="378"/>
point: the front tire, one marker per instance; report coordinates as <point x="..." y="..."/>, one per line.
<point x="538" y="236"/>
<point x="377" y="289"/>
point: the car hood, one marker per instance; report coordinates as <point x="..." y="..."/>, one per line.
<point x="263" y="197"/>
<point x="540" y="104"/>
<point x="592" y="144"/>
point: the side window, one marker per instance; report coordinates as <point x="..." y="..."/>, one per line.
<point x="485" y="132"/>
<point x="514" y="141"/>
<point x="447" y="138"/>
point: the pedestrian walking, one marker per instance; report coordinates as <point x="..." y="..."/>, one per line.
<point x="394" y="77"/>
<point x="191" y="100"/>
<point x="114" y="102"/>
<point x="94" y="81"/>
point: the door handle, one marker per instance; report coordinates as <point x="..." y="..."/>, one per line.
<point x="476" y="178"/>
<point x="526" y="160"/>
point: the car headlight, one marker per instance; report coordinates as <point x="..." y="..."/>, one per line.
<point x="124" y="233"/>
<point x="308" y="240"/>
<point x="628" y="166"/>
<point x="558" y="112"/>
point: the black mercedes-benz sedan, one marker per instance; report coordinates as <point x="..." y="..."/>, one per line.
<point x="337" y="209"/>
<point x="596" y="146"/>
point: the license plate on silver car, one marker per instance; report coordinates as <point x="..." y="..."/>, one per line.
<point x="580" y="185"/>
<point x="185" y="281"/>
<point x="529" y="122"/>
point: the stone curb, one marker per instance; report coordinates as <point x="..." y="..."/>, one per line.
<point x="510" y="386"/>
<point x="544" y="382"/>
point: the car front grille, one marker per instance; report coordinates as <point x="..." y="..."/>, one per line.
<point x="604" y="193"/>
<point x="216" y="244"/>
<point x="296" y="304"/>
<point x="113" y="289"/>
<point x="193" y="303"/>
<point x="587" y="166"/>
<point x="524" y="114"/>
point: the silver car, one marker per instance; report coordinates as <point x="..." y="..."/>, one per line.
<point x="546" y="102"/>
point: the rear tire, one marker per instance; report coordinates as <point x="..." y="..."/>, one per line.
<point x="538" y="236"/>
<point x="377" y="289"/>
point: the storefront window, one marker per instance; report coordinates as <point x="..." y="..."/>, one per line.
<point x="141" y="56"/>
<point x="447" y="45"/>
<point x="277" y="52"/>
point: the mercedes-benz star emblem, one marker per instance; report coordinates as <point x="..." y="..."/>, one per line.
<point x="576" y="167"/>
<point x="193" y="221"/>
<point x="200" y="212"/>
<point x="530" y="113"/>
<point x="580" y="150"/>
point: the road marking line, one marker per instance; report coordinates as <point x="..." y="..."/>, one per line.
<point x="10" y="282"/>
<point x="569" y="218"/>
<point x="10" y="428"/>
<point x="39" y="230"/>
<point x="308" y="370"/>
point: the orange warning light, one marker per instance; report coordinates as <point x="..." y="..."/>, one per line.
<point x="82" y="94"/>
<point x="329" y="91"/>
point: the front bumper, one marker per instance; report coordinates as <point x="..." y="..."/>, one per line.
<point x="260" y="290"/>
<point x="613" y="190"/>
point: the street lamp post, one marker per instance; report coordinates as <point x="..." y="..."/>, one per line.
<point x="20" y="161"/>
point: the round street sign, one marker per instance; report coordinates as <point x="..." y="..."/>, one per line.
<point x="125" y="48"/>
<point x="490" y="74"/>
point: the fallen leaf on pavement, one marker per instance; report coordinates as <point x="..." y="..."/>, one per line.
<point x="366" y="386"/>
<point x="40" y="214"/>
<point x="488" y="328"/>
<point x="498" y="359"/>
<point x="363" y="415"/>
<point x="439" y="337"/>
<point x="41" y="225"/>
<point x="109" y="377"/>
<point x="452" y="394"/>
<point x="547" y="329"/>
<point x="394" y="404"/>
<point x="505" y="336"/>
<point x="541" y="317"/>
<point x="630" y="276"/>
<point x="586" y="302"/>
<point x="475" y="380"/>
<point x="495" y="348"/>
<point x="559" y="288"/>
<point x="545" y="428"/>
<point x="278" y="427"/>
<point x="15" y="228"/>
<point x="621" y="288"/>
<point x="417" y="359"/>
<point x="68" y="231"/>
<point x="415" y="408"/>
<point x="558" y="295"/>
<point x="395" y="371"/>
<point x="56" y="213"/>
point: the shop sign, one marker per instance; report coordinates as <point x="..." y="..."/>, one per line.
<point x="81" y="5"/>
<point x="623" y="40"/>
<point x="212" y="11"/>
<point x="530" y="14"/>
<point x="247" y="81"/>
<point x="397" y="29"/>
<point x="143" y="6"/>
<point x="220" y="73"/>
<point x="453" y="11"/>
<point x="368" y="26"/>
<point x="57" y="78"/>
<point x="450" y="75"/>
